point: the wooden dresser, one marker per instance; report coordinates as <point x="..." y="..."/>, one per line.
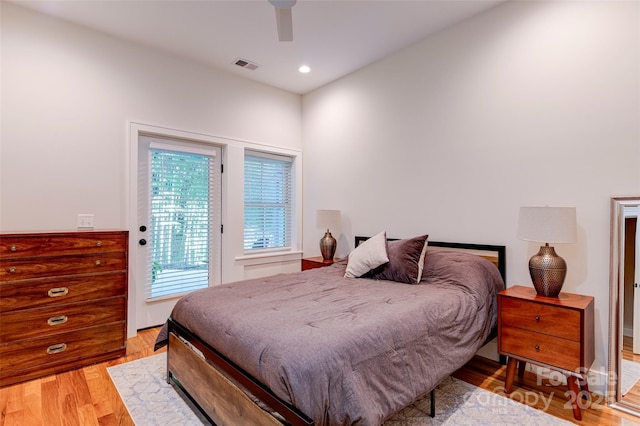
<point x="553" y="332"/>
<point x="63" y="301"/>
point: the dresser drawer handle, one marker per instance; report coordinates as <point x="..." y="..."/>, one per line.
<point x="99" y="243"/>
<point x="56" y="349"/>
<point x="12" y="270"/>
<point x="98" y="262"/>
<point x="57" y="320"/>
<point x="537" y="317"/>
<point x="57" y="292"/>
<point x="537" y="347"/>
<point x="13" y="247"/>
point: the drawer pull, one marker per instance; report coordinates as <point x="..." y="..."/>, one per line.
<point x="56" y="349"/>
<point x="13" y="247"/>
<point x="57" y="292"/>
<point x="537" y="317"/>
<point x="98" y="262"/>
<point x="12" y="270"/>
<point x="57" y="320"/>
<point x="537" y="347"/>
<point x="99" y="243"/>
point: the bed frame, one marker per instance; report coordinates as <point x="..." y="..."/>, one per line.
<point x="220" y="389"/>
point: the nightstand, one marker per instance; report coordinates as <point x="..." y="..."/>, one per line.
<point x="316" y="262"/>
<point x="553" y="332"/>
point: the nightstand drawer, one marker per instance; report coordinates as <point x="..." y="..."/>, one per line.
<point x="552" y="320"/>
<point x="557" y="352"/>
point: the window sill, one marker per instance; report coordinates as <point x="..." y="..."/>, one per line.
<point x="269" y="257"/>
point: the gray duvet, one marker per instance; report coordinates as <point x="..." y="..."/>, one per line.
<point x="350" y="351"/>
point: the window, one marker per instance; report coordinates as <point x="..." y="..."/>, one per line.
<point x="267" y="201"/>
<point x="180" y="219"/>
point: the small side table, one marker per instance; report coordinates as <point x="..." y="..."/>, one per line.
<point x="553" y="332"/>
<point x="316" y="262"/>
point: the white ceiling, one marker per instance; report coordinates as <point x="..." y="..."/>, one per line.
<point x="333" y="37"/>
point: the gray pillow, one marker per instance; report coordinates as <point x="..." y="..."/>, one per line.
<point x="406" y="261"/>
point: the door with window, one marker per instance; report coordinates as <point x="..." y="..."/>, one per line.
<point x="179" y="226"/>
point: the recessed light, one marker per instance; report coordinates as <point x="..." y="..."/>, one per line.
<point x="304" y="69"/>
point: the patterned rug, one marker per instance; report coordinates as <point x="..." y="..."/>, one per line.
<point x="630" y="374"/>
<point x="151" y="401"/>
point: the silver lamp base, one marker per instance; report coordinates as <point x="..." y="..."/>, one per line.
<point x="328" y="246"/>
<point x="548" y="271"/>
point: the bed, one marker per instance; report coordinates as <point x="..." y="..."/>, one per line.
<point x="316" y="347"/>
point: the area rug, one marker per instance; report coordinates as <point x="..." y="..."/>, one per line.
<point x="151" y="401"/>
<point x="630" y="374"/>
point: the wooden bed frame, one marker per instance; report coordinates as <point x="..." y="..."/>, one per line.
<point x="219" y="388"/>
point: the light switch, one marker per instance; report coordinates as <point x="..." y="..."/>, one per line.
<point x="85" y="221"/>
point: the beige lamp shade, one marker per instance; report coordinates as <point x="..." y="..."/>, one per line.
<point x="328" y="219"/>
<point x="547" y="225"/>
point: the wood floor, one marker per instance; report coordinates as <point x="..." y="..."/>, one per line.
<point x="87" y="396"/>
<point x="83" y="397"/>
<point x="633" y="396"/>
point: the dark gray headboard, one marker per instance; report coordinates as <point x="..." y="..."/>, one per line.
<point x="496" y="254"/>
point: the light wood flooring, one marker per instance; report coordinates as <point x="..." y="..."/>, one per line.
<point x="87" y="396"/>
<point x="633" y="396"/>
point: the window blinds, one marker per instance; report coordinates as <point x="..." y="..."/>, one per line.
<point x="267" y="201"/>
<point x="180" y="211"/>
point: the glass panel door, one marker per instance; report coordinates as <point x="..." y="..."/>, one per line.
<point x="179" y="210"/>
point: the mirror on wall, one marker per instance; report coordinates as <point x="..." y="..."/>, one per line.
<point x="624" y="309"/>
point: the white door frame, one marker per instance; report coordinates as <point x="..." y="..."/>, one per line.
<point x="135" y="131"/>
<point x="636" y="289"/>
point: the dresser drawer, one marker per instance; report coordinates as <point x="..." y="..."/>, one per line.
<point x="20" y="269"/>
<point x="61" y="348"/>
<point x="42" y="322"/>
<point x="553" y="320"/>
<point x="554" y="351"/>
<point x="16" y="245"/>
<point x="58" y="291"/>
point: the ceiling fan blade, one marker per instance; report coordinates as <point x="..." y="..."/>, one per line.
<point x="285" y="24"/>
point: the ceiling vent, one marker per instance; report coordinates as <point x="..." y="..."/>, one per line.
<point x="246" y="64"/>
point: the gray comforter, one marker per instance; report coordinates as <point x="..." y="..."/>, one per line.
<point x="350" y="350"/>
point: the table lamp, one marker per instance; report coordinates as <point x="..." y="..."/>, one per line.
<point x="547" y="225"/>
<point x="328" y="219"/>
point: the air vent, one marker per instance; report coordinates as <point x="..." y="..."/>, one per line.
<point x="246" y="64"/>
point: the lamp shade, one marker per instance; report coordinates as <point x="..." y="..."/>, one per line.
<point x="547" y="224"/>
<point x="328" y="219"/>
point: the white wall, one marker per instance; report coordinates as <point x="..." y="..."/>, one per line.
<point x="530" y="103"/>
<point x="69" y="96"/>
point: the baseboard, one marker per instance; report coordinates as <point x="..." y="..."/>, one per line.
<point x="597" y="380"/>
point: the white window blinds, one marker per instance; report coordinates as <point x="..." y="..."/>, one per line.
<point x="267" y="201"/>
<point x="181" y="212"/>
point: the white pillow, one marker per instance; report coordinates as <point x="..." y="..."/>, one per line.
<point x="367" y="256"/>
